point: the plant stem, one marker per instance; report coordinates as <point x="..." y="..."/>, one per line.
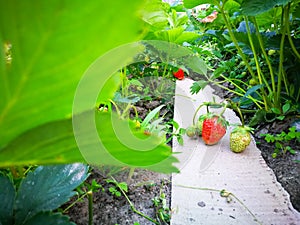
<point x="130" y="174"/>
<point x="241" y="89"/>
<point x="261" y="43"/>
<point x="259" y="74"/>
<point x="195" y="114"/>
<point x="235" y="107"/>
<point x="233" y="38"/>
<point x="256" y="102"/>
<point x="71" y="205"/>
<point x="216" y="190"/>
<point x="14" y="172"/>
<point x="132" y="205"/>
<point x="90" y="199"/>
<point x="281" y="57"/>
<point x="287" y="23"/>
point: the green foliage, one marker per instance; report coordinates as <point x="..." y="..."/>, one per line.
<point x="255" y="7"/>
<point x="117" y="188"/>
<point x="281" y="141"/>
<point x="48" y="218"/>
<point x="162" y="210"/>
<point x="261" y="34"/>
<point x="52" y="186"/>
<point x="44" y="51"/>
<point x="168" y="25"/>
<point x="48" y="149"/>
<point x="50" y="54"/>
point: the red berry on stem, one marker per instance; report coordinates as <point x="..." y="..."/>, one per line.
<point x="179" y="74"/>
<point x="214" y="128"/>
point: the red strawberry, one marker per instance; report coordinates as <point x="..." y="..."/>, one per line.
<point x="214" y="128"/>
<point x="179" y="74"/>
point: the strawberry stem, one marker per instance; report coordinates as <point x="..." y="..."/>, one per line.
<point x="237" y="108"/>
<point x="195" y="114"/>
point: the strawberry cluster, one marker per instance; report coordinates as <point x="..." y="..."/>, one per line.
<point x="212" y="128"/>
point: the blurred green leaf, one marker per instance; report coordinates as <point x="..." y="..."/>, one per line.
<point x="151" y="116"/>
<point x="115" y="142"/>
<point x="7" y="198"/>
<point x="193" y="3"/>
<point x="276" y="111"/>
<point x="48" y="218"/>
<point x="52" y="46"/>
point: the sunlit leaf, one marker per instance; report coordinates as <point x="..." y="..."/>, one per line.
<point x="193" y="3"/>
<point x="115" y="142"/>
<point x="52" y="46"/>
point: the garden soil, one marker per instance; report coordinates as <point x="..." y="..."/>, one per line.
<point x="144" y="185"/>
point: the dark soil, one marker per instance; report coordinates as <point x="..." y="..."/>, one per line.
<point x="144" y="185"/>
<point x="108" y="209"/>
<point x="285" y="166"/>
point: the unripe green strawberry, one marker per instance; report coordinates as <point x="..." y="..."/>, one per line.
<point x="271" y="52"/>
<point x="214" y="128"/>
<point x="191" y="131"/>
<point x="253" y="82"/>
<point x="200" y="124"/>
<point x="240" y="138"/>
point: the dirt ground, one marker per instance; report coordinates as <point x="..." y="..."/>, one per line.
<point x="108" y="209"/>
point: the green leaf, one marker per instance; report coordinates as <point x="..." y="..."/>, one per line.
<point x="193" y="3"/>
<point x="276" y="111"/>
<point x="151" y="115"/>
<point x="280" y="117"/>
<point x="123" y="186"/>
<point x="7" y="198"/>
<point x="48" y="218"/>
<point x="253" y="89"/>
<point x="46" y="188"/>
<point x="196" y="64"/>
<point x="170" y="35"/>
<point x="258" y="117"/>
<point x="186" y="36"/>
<point x="129" y="99"/>
<point x="52" y="46"/>
<point x="114" y="142"/>
<point x="286" y="107"/>
<point x="256" y="7"/>
<point x="197" y="86"/>
<point x="49" y="143"/>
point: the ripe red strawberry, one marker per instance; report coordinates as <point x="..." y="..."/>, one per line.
<point x="240" y="138"/>
<point x="179" y="74"/>
<point x="214" y="128"/>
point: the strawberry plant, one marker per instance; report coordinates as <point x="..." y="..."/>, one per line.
<point x="39" y="193"/>
<point x="266" y="42"/>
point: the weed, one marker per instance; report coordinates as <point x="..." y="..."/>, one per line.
<point x="282" y="141"/>
<point x="117" y="188"/>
